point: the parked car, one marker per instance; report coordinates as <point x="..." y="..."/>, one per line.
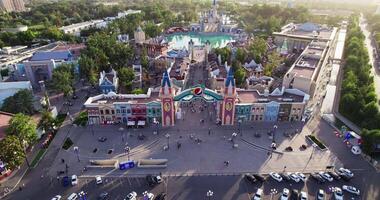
<point x="294" y="194"/>
<point x="294" y="177"/>
<point x="74" y="180"/>
<point x="148" y="195"/>
<point x="320" y="195"/>
<point x="158" y="179"/>
<point x="259" y="177"/>
<point x="345" y="171"/>
<point x="258" y="194"/>
<point x="102" y="139"/>
<point x="334" y="175"/>
<point x="317" y="177"/>
<point x="161" y="196"/>
<point x="131" y="196"/>
<point x="73" y="196"/>
<point x="103" y="196"/>
<point x="98" y="180"/>
<point x="326" y="176"/>
<point x="285" y="194"/>
<point x="338" y="194"/>
<point x="345" y="177"/>
<point x="275" y="176"/>
<point x="250" y="178"/>
<point x="351" y="189"/>
<point x="301" y="175"/>
<point x="303" y="195"/>
<point x="150" y="180"/>
<point x="57" y="197"/>
<point x="286" y="176"/>
<point x="65" y="181"/>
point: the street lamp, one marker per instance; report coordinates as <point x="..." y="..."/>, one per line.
<point x="121" y="129"/>
<point x="273" y="192"/>
<point x="76" y="150"/>
<point x="209" y="194"/>
<point x="127" y="150"/>
<point x="167" y="137"/>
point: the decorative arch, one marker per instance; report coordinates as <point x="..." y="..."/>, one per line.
<point x="198" y="91"/>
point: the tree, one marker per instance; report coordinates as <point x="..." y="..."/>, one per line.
<point x="47" y="120"/>
<point x="370" y="139"/>
<point x="62" y="79"/>
<point x="138" y="91"/>
<point x="23" y="127"/>
<point x="53" y="33"/>
<point x="126" y="76"/>
<point x="258" y="48"/>
<point x="274" y="60"/>
<point x="152" y="30"/>
<point x="21" y="102"/>
<point x="241" y="55"/>
<point x="11" y="152"/>
<point x="225" y="54"/>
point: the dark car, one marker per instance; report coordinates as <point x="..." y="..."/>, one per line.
<point x="65" y="181"/>
<point x="285" y="176"/>
<point x="334" y="175"/>
<point x="161" y="196"/>
<point x="74" y="97"/>
<point x="150" y="180"/>
<point x="103" y="196"/>
<point x="102" y="139"/>
<point x="259" y="177"/>
<point x="294" y="195"/>
<point x="345" y="177"/>
<point x="317" y="178"/>
<point x="250" y="178"/>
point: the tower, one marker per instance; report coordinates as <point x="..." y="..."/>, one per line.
<point x="139" y="35"/>
<point x="191" y="49"/>
<point x="167" y="103"/>
<point x="229" y="95"/>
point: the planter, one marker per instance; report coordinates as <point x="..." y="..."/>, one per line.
<point x="317" y="142"/>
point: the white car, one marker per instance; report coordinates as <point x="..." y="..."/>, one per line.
<point x="351" y="189"/>
<point x="294" y="177"/>
<point x="131" y="196"/>
<point x="57" y="197"/>
<point x="326" y="176"/>
<point x="302" y="176"/>
<point x="158" y="179"/>
<point x="258" y="194"/>
<point x="303" y="196"/>
<point x="356" y="150"/>
<point x="345" y="171"/>
<point x="73" y="196"/>
<point x="98" y="180"/>
<point x="74" y="180"/>
<point x="338" y="194"/>
<point x="285" y="194"/>
<point x="275" y="176"/>
<point x="320" y="195"/>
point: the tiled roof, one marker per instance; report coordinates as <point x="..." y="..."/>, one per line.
<point x="48" y="55"/>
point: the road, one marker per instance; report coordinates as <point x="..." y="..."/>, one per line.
<point x="369" y="42"/>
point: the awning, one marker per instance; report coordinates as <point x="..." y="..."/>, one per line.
<point x="131" y="123"/>
<point x="141" y="123"/>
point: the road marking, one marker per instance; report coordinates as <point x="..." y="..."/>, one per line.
<point x="129" y="181"/>
<point x="138" y="182"/>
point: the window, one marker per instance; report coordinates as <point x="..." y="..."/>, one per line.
<point x="107" y="112"/>
<point x="101" y="112"/>
<point x="128" y="111"/>
<point x="123" y="110"/>
<point x="118" y="111"/>
<point x="113" y="112"/>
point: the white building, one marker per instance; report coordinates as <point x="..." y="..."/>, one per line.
<point x="75" y="29"/>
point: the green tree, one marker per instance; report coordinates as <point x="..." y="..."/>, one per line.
<point x="274" y="60"/>
<point x="21" y="102"/>
<point x="11" y="152"/>
<point x="241" y="55"/>
<point x="138" y="91"/>
<point x="126" y="76"/>
<point x="23" y="127"/>
<point x="257" y="49"/>
<point x="62" y="79"/>
<point x="370" y="139"/>
<point x="152" y="30"/>
<point x="47" y="120"/>
<point x="53" y="33"/>
<point x="225" y="54"/>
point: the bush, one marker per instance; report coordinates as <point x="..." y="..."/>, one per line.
<point x="67" y="144"/>
<point x="4" y="72"/>
<point x="81" y="120"/>
<point x="316" y="141"/>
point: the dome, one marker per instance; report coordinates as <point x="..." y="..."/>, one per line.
<point x="111" y="94"/>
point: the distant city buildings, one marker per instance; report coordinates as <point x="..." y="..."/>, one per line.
<point x="12" y="5"/>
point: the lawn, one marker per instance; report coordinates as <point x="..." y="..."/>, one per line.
<point x="37" y="158"/>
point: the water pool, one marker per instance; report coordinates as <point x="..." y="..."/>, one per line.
<point x="181" y="40"/>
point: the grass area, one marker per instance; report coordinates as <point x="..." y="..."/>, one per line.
<point x="317" y="142"/>
<point x="37" y="158"/>
<point x="67" y="144"/>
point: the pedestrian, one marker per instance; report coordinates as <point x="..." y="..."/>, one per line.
<point x="209" y="131"/>
<point x="58" y="179"/>
<point x="63" y="160"/>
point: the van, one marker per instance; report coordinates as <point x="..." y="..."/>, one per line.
<point x="258" y="194"/>
<point x="72" y="196"/>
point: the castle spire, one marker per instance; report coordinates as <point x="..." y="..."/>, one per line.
<point x="230" y="80"/>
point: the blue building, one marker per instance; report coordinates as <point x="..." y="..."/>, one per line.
<point x="108" y="82"/>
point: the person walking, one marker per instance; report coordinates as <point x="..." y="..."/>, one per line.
<point x="209" y="131"/>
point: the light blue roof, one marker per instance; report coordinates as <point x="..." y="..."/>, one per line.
<point x="48" y="55"/>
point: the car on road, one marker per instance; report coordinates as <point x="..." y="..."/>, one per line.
<point x="275" y="176"/>
<point x="98" y="180"/>
<point x="338" y="194"/>
<point x="73" y="196"/>
<point x="317" y="178"/>
<point x="335" y="175"/>
<point x="57" y="197"/>
<point x="285" y="194"/>
<point x="345" y="171"/>
<point x="131" y="196"/>
<point x="74" y="180"/>
<point x="250" y="178"/>
<point x="301" y="175"/>
<point x="259" y="177"/>
<point x="103" y="196"/>
<point x="351" y="189"/>
<point x="320" y="195"/>
<point x="326" y="176"/>
<point x="102" y="139"/>
<point x="158" y="179"/>
<point x="286" y="176"/>
<point x="294" y="177"/>
<point x="303" y="195"/>
<point x="258" y="194"/>
<point x="161" y="196"/>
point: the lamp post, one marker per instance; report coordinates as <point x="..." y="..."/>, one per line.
<point x="76" y="150"/>
<point x="209" y="194"/>
<point x="167" y="137"/>
<point x="127" y="150"/>
<point x="273" y="192"/>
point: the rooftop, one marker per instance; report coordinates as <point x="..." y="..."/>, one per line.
<point x="284" y="96"/>
<point x="110" y="98"/>
<point x="307" y="30"/>
<point x="49" y="55"/>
